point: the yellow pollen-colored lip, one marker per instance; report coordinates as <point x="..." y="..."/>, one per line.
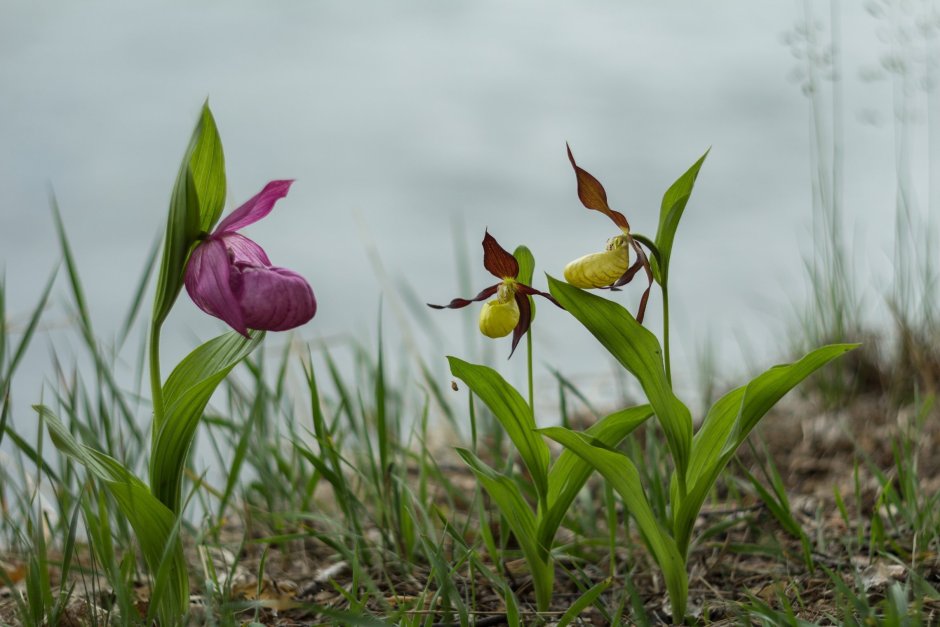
<point x="601" y="269"/>
<point x="498" y="319"/>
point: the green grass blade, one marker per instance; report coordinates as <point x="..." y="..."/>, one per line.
<point x="4" y="412"/>
<point x="583" y="601"/>
<point x="670" y="212"/>
<point x="570" y="471"/>
<point x="513" y="413"/>
<point x="185" y="395"/>
<point x="620" y="472"/>
<point x="30" y="453"/>
<point x="30" y="329"/>
<point x="241" y="452"/>
<point x="138" y="297"/>
<point x="637" y="350"/>
<point x="4" y="329"/>
<point x="103" y="369"/>
<point x="78" y="292"/>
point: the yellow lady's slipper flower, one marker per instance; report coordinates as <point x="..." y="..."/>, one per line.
<point x="597" y="270"/>
<point x="610" y="268"/>
<point x="498" y="317"/>
<point x="510" y="311"/>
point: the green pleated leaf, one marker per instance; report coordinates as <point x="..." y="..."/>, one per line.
<point x="637" y="350"/>
<point x="185" y="395"/>
<point x="519" y="516"/>
<point x="201" y="178"/>
<point x="513" y="413"/>
<point x="729" y="422"/>
<point x="182" y="230"/>
<point x="670" y="212"/>
<point x="526" y="269"/>
<point x="570" y="471"/>
<point x="153" y="523"/>
<point x="208" y="167"/>
<point x="623" y="476"/>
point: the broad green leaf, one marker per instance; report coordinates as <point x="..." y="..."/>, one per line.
<point x="729" y="422"/>
<point x="670" y="212"/>
<point x="208" y="167"/>
<point x="735" y="414"/>
<point x="153" y="523"/>
<point x="767" y="389"/>
<point x="182" y="229"/>
<point x="526" y="269"/>
<point x="185" y="395"/>
<point x="623" y="476"/>
<point x="513" y="413"/>
<point x="570" y="472"/>
<point x="195" y="204"/>
<point x="514" y="508"/>
<point x="637" y="350"/>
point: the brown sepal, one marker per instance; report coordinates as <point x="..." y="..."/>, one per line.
<point x="525" y="320"/>
<point x="497" y="260"/>
<point x="645" y="262"/>
<point x="457" y="303"/>
<point x="642" y="261"/>
<point x="531" y="291"/>
<point x="593" y="195"/>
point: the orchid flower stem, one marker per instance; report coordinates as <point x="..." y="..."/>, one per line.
<point x="156" y="387"/>
<point x="473" y="423"/>
<point x="543" y="502"/>
<point x="665" y="290"/>
<point x="529" y="363"/>
<point x="666" y="356"/>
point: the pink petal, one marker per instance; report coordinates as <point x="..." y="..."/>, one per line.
<point x="272" y="298"/>
<point x="255" y="209"/>
<point x="243" y="250"/>
<point x="208" y="281"/>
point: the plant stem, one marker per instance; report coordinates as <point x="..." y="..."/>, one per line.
<point x="473" y="423"/>
<point x="156" y="387"/>
<point x="543" y="498"/>
<point x="528" y="336"/>
<point x="668" y="361"/>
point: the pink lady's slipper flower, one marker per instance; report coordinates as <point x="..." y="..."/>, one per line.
<point x="230" y="277"/>
<point x="509" y="312"/>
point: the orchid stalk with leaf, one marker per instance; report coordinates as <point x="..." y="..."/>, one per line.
<point x="698" y="458"/>
<point x="228" y="276"/>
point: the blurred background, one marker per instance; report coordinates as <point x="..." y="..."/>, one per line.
<point x="411" y="127"/>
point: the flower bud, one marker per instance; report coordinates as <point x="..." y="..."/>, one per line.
<point x="600" y="269"/>
<point x="499" y="319"/>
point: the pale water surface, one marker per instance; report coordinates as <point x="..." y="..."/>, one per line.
<point x="400" y="120"/>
